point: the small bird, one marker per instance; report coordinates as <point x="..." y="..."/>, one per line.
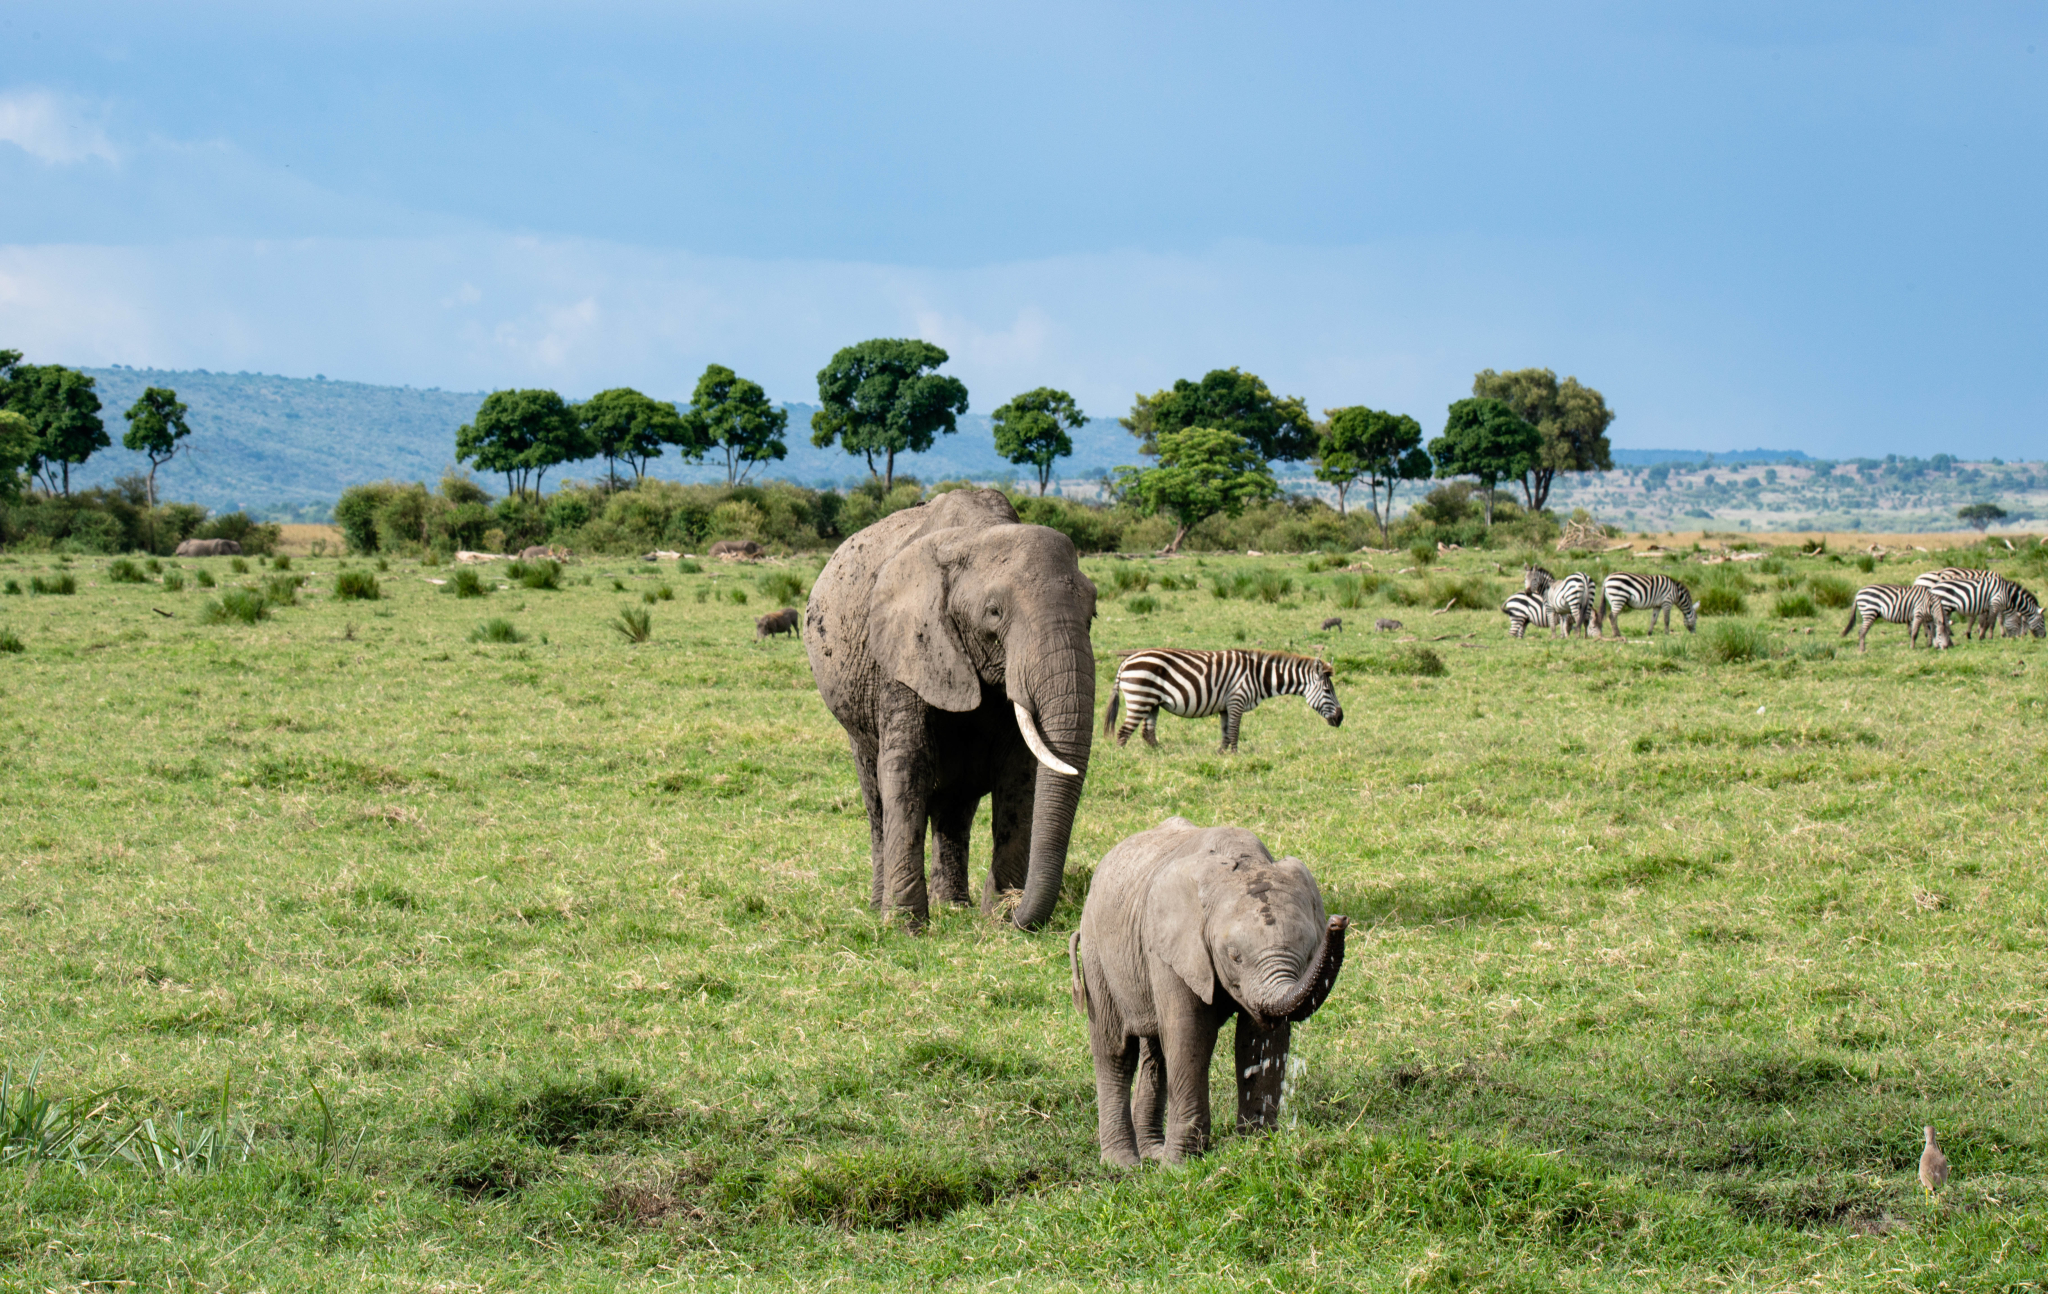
<point x="1933" y="1164"/>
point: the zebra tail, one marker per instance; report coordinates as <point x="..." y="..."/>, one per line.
<point x="1855" y="614"/>
<point x="1116" y="697"/>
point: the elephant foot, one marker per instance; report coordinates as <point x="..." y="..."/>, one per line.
<point x="1120" y="1158"/>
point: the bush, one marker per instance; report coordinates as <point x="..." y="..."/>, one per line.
<point x="1771" y="566"/>
<point x="1793" y="606"/>
<point x="1721" y="600"/>
<point x="245" y="605"/>
<point x="1348" y="592"/>
<point x="1831" y="591"/>
<point x="1734" y="641"/>
<point x="174" y="581"/>
<point x="205" y="578"/>
<point x="1093" y="529"/>
<point x="1423" y="554"/>
<point x="783" y="587"/>
<point x="1124" y="578"/>
<point x="541" y="573"/>
<point x="467" y="584"/>
<point x="12" y="589"/>
<point x="665" y="593"/>
<point x="356" y="585"/>
<point x="281" y="562"/>
<point x="738" y="597"/>
<point x="634" y="624"/>
<point x="282" y="590"/>
<point x="62" y="586"/>
<point x="123" y="571"/>
<point x="10" y="642"/>
<point x="1466" y="592"/>
<point x="1271" y="586"/>
<point x="238" y="566"/>
<point x="499" y="630"/>
<point x="1866" y="563"/>
<point x="1144" y="604"/>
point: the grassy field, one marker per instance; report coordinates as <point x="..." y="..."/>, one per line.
<point x="1662" y="952"/>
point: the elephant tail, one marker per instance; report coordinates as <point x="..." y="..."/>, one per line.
<point x="1080" y="985"/>
<point x="1116" y="698"/>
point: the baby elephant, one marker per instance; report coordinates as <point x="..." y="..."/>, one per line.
<point x="1185" y="927"/>
<point x="779" y="622"/>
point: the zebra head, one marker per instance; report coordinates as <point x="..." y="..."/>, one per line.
<point x="1535" y="579"/>
<point x="1321" y="693"/>
<point x="1688" y="608"/>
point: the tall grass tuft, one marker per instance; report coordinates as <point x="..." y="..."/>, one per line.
<point x="282" y="590"/>
<point x="1271" y="586"/>
<point x="245" y="605"/>
<point x="174" y="581"/>
<point x="1125" y="578"/>
<point x="1734" y="641"/>
<point x="281" y="562"/>
<point x="10" y="642"/>
<point x="1793" y="606"/>
<point x="238" y="565"/>
<point x="1144" y="604"/>
<point x="467" y="583"/>
<point x="11" y="589"/>
<point x="634" y="624"/>
<point x="1831" y="591"/>
<point x="738" y="597"/>
<point x="541" y="573"/>
<point x="205" y="578"/>
<point x="1721" y="600"/>
<point x="123" y="571"/>
<point x="356" y="586"/>
<point x="784" y="588"/>
<point x="498" y="630"/>
<point x="37" y="1128"/>
<point x="62" y="586"/>
<point x="689" y="566"/>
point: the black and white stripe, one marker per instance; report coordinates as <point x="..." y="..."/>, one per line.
<point x="1570" y="599"/>
<point x="1525" y="609"/>
<point x="1624" y="591"/>
<point x="1197" y="684"/>
<point x="1910" y="605"/>
<point x="2027" y="616"/>
<point x="1984" y="597"/>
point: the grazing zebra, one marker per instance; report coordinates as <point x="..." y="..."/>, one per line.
<point x="1197" y="684"/>
<point x="2027" y="616"/>
<point x="1525" y="609"/>
<point x="1900" y="604"/>
<point x="1984" y="597"/>
<point x="1570" y="599"/>
<point x="1623" y="591"/>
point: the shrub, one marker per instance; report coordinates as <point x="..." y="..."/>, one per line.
<point x="62" y="586"/>
<point x="784" y="587"/>
<point x="1467" y="592"/>
<point x="282" y="590"/>
<point x="634" y="624"/>
<point x="1733" y="641"/>
<point x="153" y="566"/>
<point x="123" y="571"/>
<point x="1793" y="606"/>
<point x="238" y="565"/>
<point x="738" y="597"/>
<point x="205" y="578"/>
<point x="12" y="589"/>
<point x="1125" y="578"/>
<point x="468" y="584"/>
<point x="1144" y="604"/>
<point x="499" y="630"/>
<point x="1831" y="591"/>
<point x="10" y="642"/>
<point x="1770" y="566"/>
<point x="1271" y="586"/>
<point x="665" y="593"/>
<point x="281" y="562"/>
<point x="647" y="596"/>
<point x="542" y="573"/>
<point x="245" y="605"/>
<point x="174" y="581"/>
<point x="1423" y="554"/>
<point x="1866" y="563"/>
<point x="361" y="585"/>
<point x="1220" y="586"/>
<point x="1350" y="591"/>
<point x="1721" y="600"/>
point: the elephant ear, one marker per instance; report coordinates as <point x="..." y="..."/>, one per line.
<point x="1174" y="930"/>
<point x="910" y="636"/>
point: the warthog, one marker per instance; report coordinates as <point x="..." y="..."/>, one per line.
<point x="735" y="548"/>
<point x="777" y="622"/>
<point x="1334" y="622"/>
<point x="209" y="548"/>
<point x="1386" y="626"/>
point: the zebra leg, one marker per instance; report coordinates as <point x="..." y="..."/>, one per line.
<point x="1152" y="729"/>
<point x="1863" y="639"/>
<point x="1233" y="712"/>
<point x="1136" y="716"/>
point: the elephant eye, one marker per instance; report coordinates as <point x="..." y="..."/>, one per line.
<point x="995" y="613"/>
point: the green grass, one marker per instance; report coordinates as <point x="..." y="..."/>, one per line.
<point x="465" y="583"/>
<point x="354" y="585"/>
<point x="64" y="584"/>
<point x="496" y="630"/>
<point x="1659" y="962"/>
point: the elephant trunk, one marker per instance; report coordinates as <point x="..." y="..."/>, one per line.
<point x="1301" y="999"/>
<point x="1061" y="701"/>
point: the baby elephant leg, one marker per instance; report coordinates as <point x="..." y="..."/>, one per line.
<point x="1115" y="1059"/>
<point x="1148" y="1100"/>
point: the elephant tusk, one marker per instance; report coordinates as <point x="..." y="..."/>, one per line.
<point x="1029" y="727"/>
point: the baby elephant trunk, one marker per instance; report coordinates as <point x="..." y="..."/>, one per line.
<point x="1308" y="992"/>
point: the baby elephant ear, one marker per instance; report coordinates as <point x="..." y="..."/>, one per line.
<point x="1174" y="931"/>
<point x="910" y="635"/>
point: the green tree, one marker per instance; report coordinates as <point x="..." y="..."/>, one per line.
<point x="64" y="409"/>
<point x="1572" y="418"/>
<point x="623" y="424"/>
<point x="1981" y="515"/>
<point x="1202" y="471"/>
<point x="156" y="423"/>
<point x="1278" y="427"/>
<point x="17" y="447"/>
<point x="1382" y="448"/>
<point x="1486" y="439"/>
<point x="734" y="414"/>
<point x="521" y="434"/>
<point x="1032" y="429"/>
<point x="881" y="400"/>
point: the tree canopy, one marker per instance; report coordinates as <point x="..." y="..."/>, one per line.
<point x="521" y="434"/>
<point x="1381" y="448"/>
<point x="156" y="423"/>
<point x="734" y="414"/>
<point x="623" y="424"/>
<point x="881" y="400"/>
<point x="17" y="447"/>
<point x="1202" y="471"/>
<point x="1981" y="515"/>
<point x="1032" y="430"/>
<point x="1487" y="439"/>
<point x="1572" y="420"/>
<point x="1278" y="427"/>
<point x="62" y="408"/>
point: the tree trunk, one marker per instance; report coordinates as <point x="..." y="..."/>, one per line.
<point x="889" y="480"/>
<point x="1487" y="485"/>
<point x="1178" y="535"/>
<point x="152" y="482"/>
<point x="1340" y="500"/>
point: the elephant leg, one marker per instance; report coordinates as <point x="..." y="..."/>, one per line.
<point x="1187" y="1046"/>
<point x="1261" y="1070"/>
<point x="1115" y="1059"/>
<point x="1148" y="1100"/>
<point x="952" y="822"/>
<point x="903" y="775"/>
<point x="864" y="763"/>
<point x="1010" y="809"/>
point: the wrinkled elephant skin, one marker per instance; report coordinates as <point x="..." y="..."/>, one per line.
<point x="951" y="642"/>
<point x="1185" y="927"/>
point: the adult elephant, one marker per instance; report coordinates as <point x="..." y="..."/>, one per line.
<point x="951" y="642"/>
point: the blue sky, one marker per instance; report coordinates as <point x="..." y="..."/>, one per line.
<point x="1813" y="227"/>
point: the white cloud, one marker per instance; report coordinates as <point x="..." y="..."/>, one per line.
<point x="52" y="130"/>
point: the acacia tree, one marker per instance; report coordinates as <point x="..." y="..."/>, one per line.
<point x="64" y="410"/>
<point x="1382" y="448"/>
<point x="881" y="400"/>
<point x="1572" y="419"/>
<point x="522" y="434"/>
<point x="1202" y="472"/>
<point x="1278" y="427"/>
<point x="1032" y="429"/>
<point x="623" y="424"/>
<point x="1981" y="515"/>
<point x="733" y="413"/>
<point x="1486" y="439"/>
<point x="156" y="423"/>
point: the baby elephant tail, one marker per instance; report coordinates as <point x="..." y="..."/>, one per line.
<point x="1116" y="698"/>
<point x="1080" y="985"/>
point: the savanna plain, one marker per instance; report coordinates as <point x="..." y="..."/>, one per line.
<point x="443" y="955"/>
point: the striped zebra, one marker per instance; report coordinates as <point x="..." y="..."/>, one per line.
<point x="1985" y="597"/>
<point x="1900" y="604"/>
<point x="1197" y="684"/>
<point x="1570" y="599"/>
<point x="1623" y="591"/>
<point x="1525" y="609"/>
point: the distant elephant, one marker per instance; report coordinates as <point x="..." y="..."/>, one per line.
<point x="775" y="622"/>
<point x="951" y="642"/>
<point x="1183" y="928"/>
<point x="209" y="548"/>
<point x="735" y="548"/>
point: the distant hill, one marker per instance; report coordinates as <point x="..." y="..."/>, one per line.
<point x="1652" y="457"/>
<point x="285" y="447"/>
